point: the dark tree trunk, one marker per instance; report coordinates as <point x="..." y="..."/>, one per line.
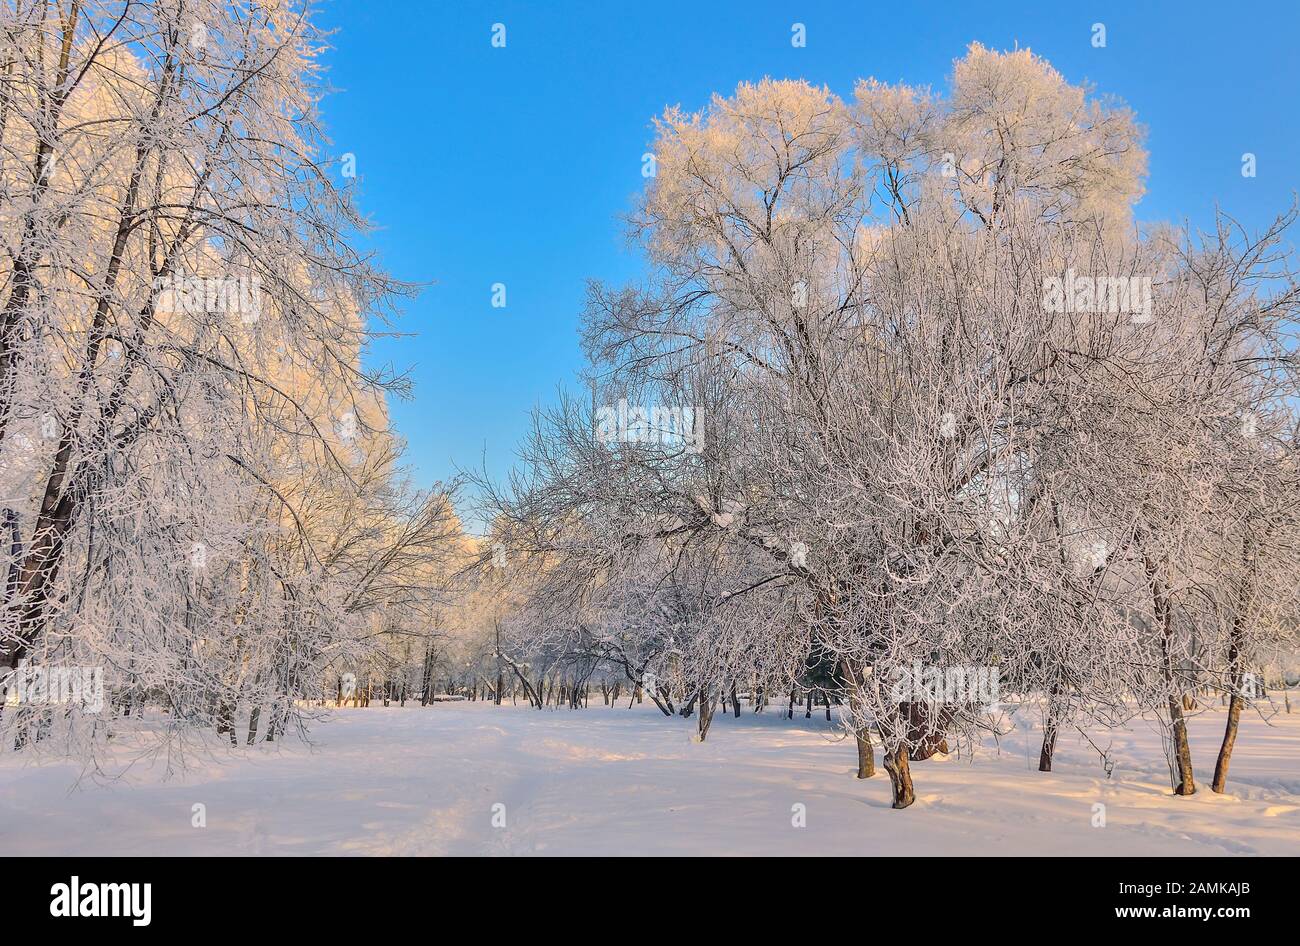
<point x="689" y="708"/>
<point x="1185" y="784"/>
<point x="900" y="776"/>
<point x="866" y="755"/>
<point x="1236" y="670"/>
<point x="1220" y="782"/>
<point x="925" y="735"/>
<point x="501" y="677"/>
<point x="706" y="713"/>
<point x="1049" y="746"/>
<point x="226" y="723"/>
<point x="1181" y="769"/>
<point x="253" y="717"/>
<point x="1048" y="749"/>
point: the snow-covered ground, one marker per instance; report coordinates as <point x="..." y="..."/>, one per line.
<point x="620" y="781"/>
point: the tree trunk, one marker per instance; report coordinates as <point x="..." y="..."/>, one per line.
<point x="1049" y="745"/>
<point x="253" y="717"/>
<point x="926" y="735"/>
<point x="226" y="723"/>
<point x="1236" y="670"/>
<point x="275" y="725"/>
<point x="1181" y="769"/>
<point x="866" y="755"/>
<point x="1229" y="740"/>
<point x="501" y="679"/>
<point x="689" y="708"/>
<point x="66" y="483"/>
<point x="1185" y="784"/>
<point x="1051" y="724"/>
<point x="900" y="776"/>
<point x="706" y="713"/>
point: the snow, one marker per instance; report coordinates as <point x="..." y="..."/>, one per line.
<point x="628" y="781"/>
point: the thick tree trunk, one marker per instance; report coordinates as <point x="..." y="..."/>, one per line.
<point x="866" y="754"/>
<point x="850" y="682"/>
<point x="900" y="776"/>
<point x="1049" y="745"/>
<point x="1220" y="782"/>
<point x="1236" y="668"/>
<point x="62" y="497"/>
<point x="926" y="735"/>
<point x="1184" y="783"/>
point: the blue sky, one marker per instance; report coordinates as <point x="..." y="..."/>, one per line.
<point x="483" y="165"/>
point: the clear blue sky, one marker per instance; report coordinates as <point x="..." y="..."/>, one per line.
<point x="483" y="165"/>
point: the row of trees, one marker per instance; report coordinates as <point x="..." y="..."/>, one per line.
<point x="199" y="488"/>
<point x="917" y="399"/>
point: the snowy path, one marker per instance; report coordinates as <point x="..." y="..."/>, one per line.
<point x="604" y="781"/>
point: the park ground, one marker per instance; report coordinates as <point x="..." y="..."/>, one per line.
<point x="473" y="778"/>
